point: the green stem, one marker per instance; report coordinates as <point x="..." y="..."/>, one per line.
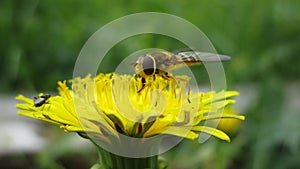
<point x="112" y="161"/>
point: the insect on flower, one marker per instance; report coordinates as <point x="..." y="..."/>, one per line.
<point x="159" y="63"/>
<point x="41" y="99"/>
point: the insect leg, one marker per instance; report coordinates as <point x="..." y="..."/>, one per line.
<point x="168" y="77"/>
<point x="143" y="85"/>
<point x="188" y="84"/>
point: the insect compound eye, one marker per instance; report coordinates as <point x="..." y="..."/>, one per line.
<point x="148" y="65"/>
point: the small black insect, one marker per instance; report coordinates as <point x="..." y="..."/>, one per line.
<point x="40" y="100"/>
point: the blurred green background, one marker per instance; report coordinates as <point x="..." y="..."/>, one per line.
<point x="40" y="42"/>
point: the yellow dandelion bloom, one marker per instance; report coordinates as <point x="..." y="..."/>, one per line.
<point x="109" y="104"/>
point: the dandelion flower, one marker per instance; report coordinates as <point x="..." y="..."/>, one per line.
<point x="108" y="105"/>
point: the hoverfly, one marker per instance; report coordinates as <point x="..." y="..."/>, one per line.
<point x="159" y="63"/>
<point x="41" y="99"/>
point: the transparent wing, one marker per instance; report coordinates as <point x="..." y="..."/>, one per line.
<point x="189" y="56"/>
